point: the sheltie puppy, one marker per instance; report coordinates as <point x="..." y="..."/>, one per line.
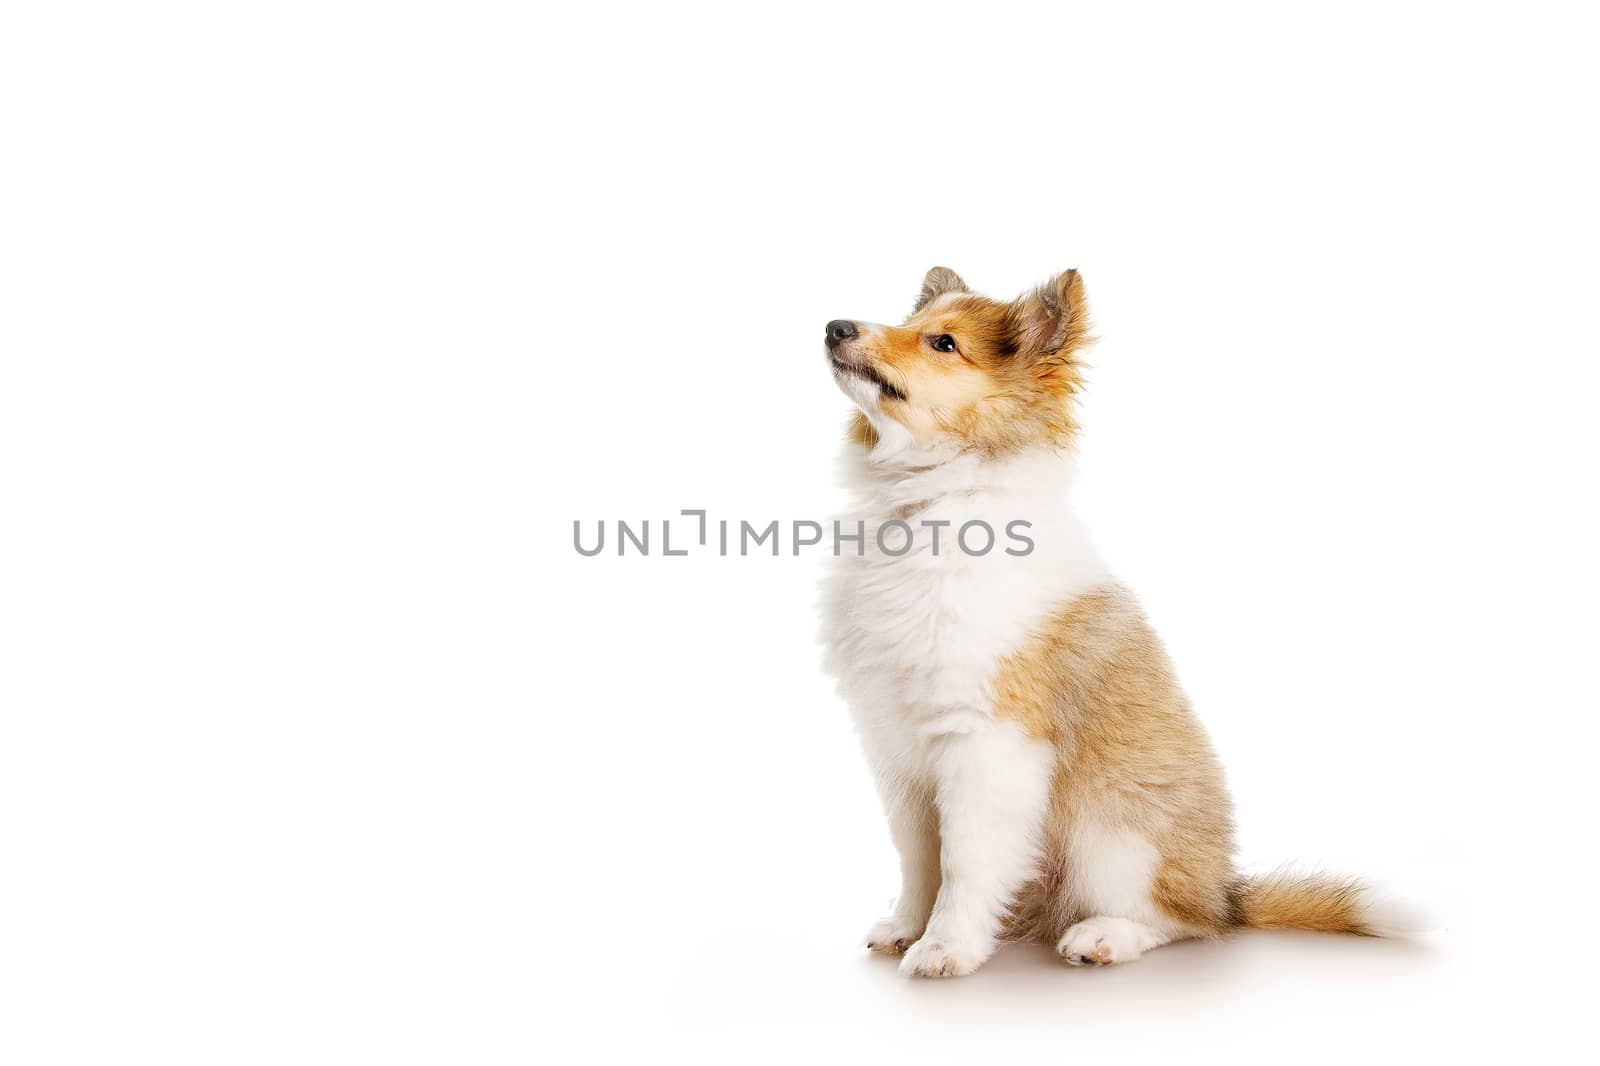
<point x="1043" y="774"/>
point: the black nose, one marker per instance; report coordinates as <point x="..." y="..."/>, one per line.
<point x="839" y="331"/>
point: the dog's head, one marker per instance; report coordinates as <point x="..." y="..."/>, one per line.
<point x="984" y="374"/>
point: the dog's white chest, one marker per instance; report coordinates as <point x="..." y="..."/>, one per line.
<point x="916" y="638"/>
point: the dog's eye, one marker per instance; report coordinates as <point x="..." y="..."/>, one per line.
<point x="944" y="343"/>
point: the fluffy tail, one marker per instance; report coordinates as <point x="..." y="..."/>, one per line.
<point x="1321" y="904"/>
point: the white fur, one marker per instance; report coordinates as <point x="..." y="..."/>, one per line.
<point x="1102" y="940"/>
<point x="1111" y="873"/>
<point x="913" y="824"/>
<point x="915" y="641"/>
<point x="991" y="784"/>
<point x="1391" y="917"/>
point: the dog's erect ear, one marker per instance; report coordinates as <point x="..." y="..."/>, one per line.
<point x="1052" y="321"/>
<point x="939" y="281"/>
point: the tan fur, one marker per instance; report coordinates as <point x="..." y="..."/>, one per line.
<point x="860" y="431"/>
<point x="1012" y="382"/>
<point x="1098" y="684"/>
<point x="938" y="281"/>
<point x="1285" y="901"/>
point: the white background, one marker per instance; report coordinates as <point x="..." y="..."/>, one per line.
<point x="321" y="323"/>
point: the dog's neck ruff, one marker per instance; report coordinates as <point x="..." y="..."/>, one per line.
<point x="913" y="475"/>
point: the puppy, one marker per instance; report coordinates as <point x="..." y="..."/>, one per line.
<point x="1043" y="774"/>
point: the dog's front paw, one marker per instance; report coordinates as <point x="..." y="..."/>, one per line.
<point x="934" y="956"/>
<point x="893" y="935"/>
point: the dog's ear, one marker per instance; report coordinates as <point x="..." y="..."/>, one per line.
<point x="936" y="283"/>
<point x="1051" y="322"/>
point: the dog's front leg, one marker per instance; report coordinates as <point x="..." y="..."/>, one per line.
<point x="991" y="788"/>
<point x="914" y="826"/>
